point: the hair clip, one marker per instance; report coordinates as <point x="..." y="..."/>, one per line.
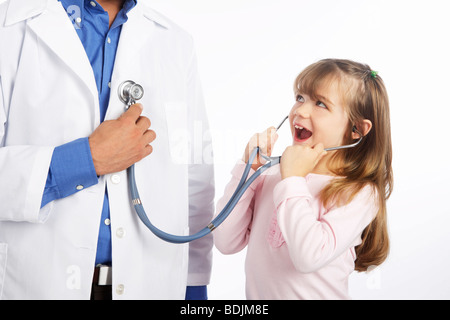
<point x="374" y="74"/>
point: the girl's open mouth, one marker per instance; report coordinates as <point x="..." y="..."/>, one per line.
<point x="301" y="133"/>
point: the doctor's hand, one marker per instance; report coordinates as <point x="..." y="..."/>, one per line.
<point x="117" y="144"/>
<point x="265" y="141"/>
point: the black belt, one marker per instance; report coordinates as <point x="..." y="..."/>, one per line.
<point x="102" y="283"/>
<point x="102" y="275"/>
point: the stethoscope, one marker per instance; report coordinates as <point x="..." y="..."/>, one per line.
<point x="129" y="93"/>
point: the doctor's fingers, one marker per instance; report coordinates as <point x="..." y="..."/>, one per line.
<point x="148" y="137"/>
<point x="133" y="113"/>
<point x="143" y="123"/>
<point x="148" y="149"/>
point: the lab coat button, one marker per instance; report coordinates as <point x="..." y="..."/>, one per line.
<point x="115" y="179"/>
<point x="79" y="187"/>
<point x="120" y="289"/>
<point x="120" y="232"/>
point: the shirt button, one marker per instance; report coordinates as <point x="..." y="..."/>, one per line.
<point x="109" y="40"/>
<point x="115" y="179"/>
<point x="79" y="187"/>
<point x="107" y="221"/>
<point x="78" y="20"/>
<point x="93" y="4"/>
<point x="120" y="289"/>
<point x="109" y="85"/>
<point x="120" y="233"/>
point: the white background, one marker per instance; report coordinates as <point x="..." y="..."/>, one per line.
<point x="250" y="52"/>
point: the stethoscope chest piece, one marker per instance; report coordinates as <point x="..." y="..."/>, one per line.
<point x="130" y="92"/>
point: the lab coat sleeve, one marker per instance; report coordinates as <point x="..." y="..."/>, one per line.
<point x="201" y="181"/>
<point x="23" y="175"/>
<point x="314" y="242"/>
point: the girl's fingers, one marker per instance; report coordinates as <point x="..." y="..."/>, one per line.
<point x="265" y="141"/>
<point x="320" y="149"/>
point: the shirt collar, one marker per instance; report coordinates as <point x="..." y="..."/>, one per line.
<point x="19" y="10"/>
<point x="128" y="4"/>
<point x="76" y="9"/>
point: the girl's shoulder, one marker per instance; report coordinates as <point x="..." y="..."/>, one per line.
<point x="342" y="193"/>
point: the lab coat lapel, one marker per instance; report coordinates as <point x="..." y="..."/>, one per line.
<point x="55" y="29"/>
<point x="19" y="10"/>
<point x="135" y="32"/>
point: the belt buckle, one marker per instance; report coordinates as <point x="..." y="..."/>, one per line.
<point x="105" y="276"/>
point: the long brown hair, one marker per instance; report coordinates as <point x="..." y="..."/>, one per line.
<point x="369" y="163"/>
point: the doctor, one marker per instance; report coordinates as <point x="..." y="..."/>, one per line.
<point x="67" y="227"/>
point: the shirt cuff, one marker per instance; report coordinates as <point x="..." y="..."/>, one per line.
<point x="196" y="293"/>
<point x="72" y="168"/>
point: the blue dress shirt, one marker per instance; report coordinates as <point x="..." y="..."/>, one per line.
<point x="67" y="174"/>
<point x="72" y="169"/>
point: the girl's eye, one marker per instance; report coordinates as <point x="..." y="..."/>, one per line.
<point x="300" y="98"/>
<point x="321" y="104"/>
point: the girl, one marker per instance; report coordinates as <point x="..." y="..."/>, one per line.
<point x="311" y="221"/>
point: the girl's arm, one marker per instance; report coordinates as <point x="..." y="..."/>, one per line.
<point x="313" y="242"/>
<point x="232" y="235"/>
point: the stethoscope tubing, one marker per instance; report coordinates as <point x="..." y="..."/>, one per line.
<point x="243" y="185"/>
<point x="129" y="92"/>
<point x="332" y="148"/>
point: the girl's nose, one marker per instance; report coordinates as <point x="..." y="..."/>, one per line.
<point x="302" y="110"/>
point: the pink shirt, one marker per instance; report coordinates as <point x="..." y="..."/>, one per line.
<point x="297" y="249"/>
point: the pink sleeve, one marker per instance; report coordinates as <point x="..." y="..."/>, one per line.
<point x="313" y="242"/>
<point x="232" y="235"/>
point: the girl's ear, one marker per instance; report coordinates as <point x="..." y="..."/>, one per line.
<point x="364" y="127"/>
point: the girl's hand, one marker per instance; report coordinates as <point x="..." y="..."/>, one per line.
<point x="299" y="160"/>
<point x="265" y="141"/>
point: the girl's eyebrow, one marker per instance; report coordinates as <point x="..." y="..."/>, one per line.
<point x="324" y="99"/>
<point x="318" y="96"/>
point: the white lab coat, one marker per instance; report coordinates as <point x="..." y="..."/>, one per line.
<point x="48" y="96"/>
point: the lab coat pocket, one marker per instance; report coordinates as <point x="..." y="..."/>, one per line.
<point x="3" y="255"/>
<point x="177" y="131"/>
